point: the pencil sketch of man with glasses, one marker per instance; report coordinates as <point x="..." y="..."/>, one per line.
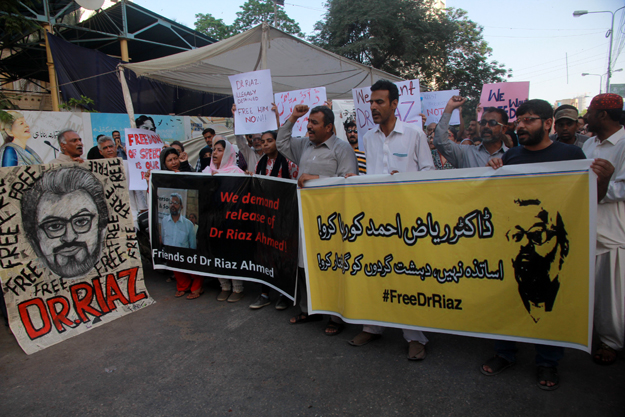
<point x="65" y="216"/>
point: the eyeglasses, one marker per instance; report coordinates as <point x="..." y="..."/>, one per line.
<point x="526" y="120"/>
<point x="537" y="235"/>
<point x="351" y="131"/>
<point x="56" y="228"/>
<point x="491" y="123"/>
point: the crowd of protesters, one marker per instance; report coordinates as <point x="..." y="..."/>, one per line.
<point x="539" y="134"/>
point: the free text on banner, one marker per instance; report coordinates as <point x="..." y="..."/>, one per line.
<point x="247" y="227"/>
<point x="70" y="258"/>
<point x="285" y="102"/>
<point x="253" y="95"/>
<point x="503" y="254"/>
<point x="144" y="148"/>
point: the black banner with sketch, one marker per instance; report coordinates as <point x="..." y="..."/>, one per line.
<point x="226" y="226"/>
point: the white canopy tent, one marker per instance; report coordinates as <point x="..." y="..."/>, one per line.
<point x="294" y="64"/>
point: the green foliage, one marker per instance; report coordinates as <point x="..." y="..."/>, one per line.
<point x="252" y="13"/>
<point x="84" y="102"/>
<point x="215" y="28"/>
<point x="411" y="39"/>
<point x="5" y="104"/>
<point x="12" y="21"/>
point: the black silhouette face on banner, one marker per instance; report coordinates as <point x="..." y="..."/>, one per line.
<point x="543" y="246"/>
<point x="65" y="216"/>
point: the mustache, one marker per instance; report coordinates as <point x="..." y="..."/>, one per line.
<point x="486" y="130"/>
<point x="522" y="132"/>
<point x="70" y="245"/>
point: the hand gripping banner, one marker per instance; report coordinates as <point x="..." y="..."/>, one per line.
<point x="68" y="250"/>
<point x="227" y="226"/>
<point x="505" y="254"/>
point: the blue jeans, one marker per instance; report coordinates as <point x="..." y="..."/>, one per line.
<point x="545" y="355"/>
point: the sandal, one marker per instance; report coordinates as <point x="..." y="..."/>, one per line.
<point x="305" y="318"/>
<point x="179" y="294"/>
<point x="497" y="364"/>
<point x="195" y="295"/>
<point x="605" y="355"/>
<point x="335" y="328"/>
<point x="548" y="374"/>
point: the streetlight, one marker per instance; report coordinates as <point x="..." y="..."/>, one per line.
<point x="601" y="77"/>
<point x="579" y="13"/>
<point x="598" y="75"/>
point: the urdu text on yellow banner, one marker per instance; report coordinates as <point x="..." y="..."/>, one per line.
<point x="505" y="254"/>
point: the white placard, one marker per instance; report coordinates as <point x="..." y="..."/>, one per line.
<point x="286" y="101"/>
<point x="408" y="107"/>
<point x="253" y="95"/>
<point x="433" y="104"/>
<point x="143" y="148"/>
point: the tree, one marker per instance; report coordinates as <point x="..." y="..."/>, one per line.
<point x="215" y="28"/>
<point x="412" y="39"/>
<point x="253" y="13"/>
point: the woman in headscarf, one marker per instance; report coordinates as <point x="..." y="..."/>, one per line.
<point x="205" y="157"/>
<point x="15" y="152"/>
<point x="224" y="161"/>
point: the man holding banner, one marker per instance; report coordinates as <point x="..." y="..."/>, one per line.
<point x="536" y="274"/>
<point x="393" y="147"/>
<point x="322" y="154"/>
<point x="608" y="147"/>
<point x="491" y="132"/>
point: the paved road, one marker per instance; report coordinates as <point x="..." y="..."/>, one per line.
<point x="203" y="357"/>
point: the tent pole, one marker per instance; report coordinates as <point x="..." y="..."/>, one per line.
<point x="54" y="88"/>
<point x="123" y="43"/>
<point x="264" y="45"/>
<point x="127" y="98"/>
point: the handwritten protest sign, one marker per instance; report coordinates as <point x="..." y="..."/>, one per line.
<point x="507" y="96"/>
<point x="433" y="104"/>
<point x="448" y="251"/>
<point x="70" y="259"/>
<point x="247" y="228"/>
<point x="285" y="102"/>
<point x="144" y="148"/>
<point x="253" y="95"/>
<point x="408" y="106"/>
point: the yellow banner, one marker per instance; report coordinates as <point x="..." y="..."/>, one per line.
<point x="504" y="254"/>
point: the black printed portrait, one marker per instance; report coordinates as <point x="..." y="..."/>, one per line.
<point x="543" y="246"/>
<point x="64" y="216"/>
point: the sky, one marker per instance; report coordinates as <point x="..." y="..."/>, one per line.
<point x="533" y="38"/>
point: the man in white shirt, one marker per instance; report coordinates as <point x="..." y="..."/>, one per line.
<point x="608" y="150"/>
<point x="391" y="147"/>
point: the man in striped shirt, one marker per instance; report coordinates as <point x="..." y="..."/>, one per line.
<point x="352" y="137"/>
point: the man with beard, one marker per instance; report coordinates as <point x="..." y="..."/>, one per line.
<point x="491" y="134"/>
<point x="608" y="149"/>
<point x="543" y="246"/>
<point x="176" y="230"/>
<point x="391" y="147"/>
<point x="566" y="126"/>
<point x="71" y="147"/>
<point x="65" y="217"/>
<point x="120" y="149"/>
<point x="534" y="121"/>
<point x="352" y="137"/>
